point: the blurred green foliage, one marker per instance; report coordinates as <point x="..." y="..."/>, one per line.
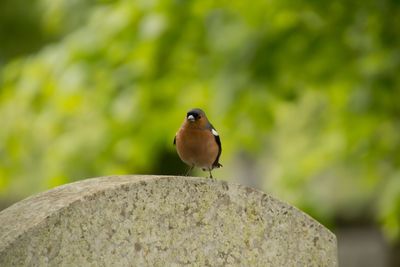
<point x="309" y="91"/>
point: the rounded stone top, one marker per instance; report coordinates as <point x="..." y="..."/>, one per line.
<point x="160" y="221"/>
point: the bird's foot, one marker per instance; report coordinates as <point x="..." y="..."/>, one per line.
<point x="189" y="170"/>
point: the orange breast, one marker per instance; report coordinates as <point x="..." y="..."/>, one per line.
<point x="197" y="147"/>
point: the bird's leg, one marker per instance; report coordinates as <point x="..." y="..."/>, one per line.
<point x="189" y="170"/>
<point x="210" y="174"/>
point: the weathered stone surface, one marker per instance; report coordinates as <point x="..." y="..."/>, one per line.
<point x="160" y="221"/>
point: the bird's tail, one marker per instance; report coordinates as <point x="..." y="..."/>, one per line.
<point x="217" y="165"/>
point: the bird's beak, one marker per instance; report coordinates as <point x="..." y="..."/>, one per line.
<point x="190" y="117"/>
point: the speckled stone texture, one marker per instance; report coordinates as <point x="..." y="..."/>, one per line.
<point x="160" y="221"/>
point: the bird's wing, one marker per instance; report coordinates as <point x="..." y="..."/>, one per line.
<point x="216" y="164"/>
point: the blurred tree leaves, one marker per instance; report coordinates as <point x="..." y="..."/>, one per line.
<point x="309" y="89"/>
<point x="25" y="29"/>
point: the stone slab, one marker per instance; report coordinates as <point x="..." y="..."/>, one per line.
<point x="160" y="221"/>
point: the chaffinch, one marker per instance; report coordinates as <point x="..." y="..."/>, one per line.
<point x="197" y="142"/>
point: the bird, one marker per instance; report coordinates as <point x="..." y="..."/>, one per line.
<point x="198" y="143"/>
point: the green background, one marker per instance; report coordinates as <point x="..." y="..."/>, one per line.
<point x="304" y="94"/>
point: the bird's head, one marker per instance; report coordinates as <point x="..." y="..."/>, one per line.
<point x="196" y="116"/>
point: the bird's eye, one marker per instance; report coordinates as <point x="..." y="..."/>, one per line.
<point x="199" y="117"/>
